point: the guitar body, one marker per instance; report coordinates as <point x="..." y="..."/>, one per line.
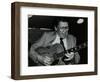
<point x="50" y="52"/>
<point x="56" y="52"/>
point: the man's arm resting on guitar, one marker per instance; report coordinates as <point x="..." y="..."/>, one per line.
<point x="33" y="54"/>
<point x="37" y="58"/>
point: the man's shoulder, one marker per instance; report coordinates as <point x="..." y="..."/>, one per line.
<point x="51" y="33"/>
<point x="71" y="36"/>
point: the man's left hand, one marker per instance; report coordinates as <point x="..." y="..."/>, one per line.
<point x="69" y="56"/>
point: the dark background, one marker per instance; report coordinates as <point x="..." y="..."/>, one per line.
<point x="36" y="22"/>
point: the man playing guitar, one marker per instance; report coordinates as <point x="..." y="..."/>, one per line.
<point x="59" y="36"/>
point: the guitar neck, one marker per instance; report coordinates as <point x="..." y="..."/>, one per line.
<point x="74" y="49"/>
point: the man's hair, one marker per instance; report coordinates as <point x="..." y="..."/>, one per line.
<point x="58" y="19"/>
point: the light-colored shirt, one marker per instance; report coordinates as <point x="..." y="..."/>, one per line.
<point x="57" y="40"/>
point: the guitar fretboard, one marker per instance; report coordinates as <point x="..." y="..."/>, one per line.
<point x="74" y="49"/>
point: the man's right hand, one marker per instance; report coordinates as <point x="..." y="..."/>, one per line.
<point x="45" y="60"/>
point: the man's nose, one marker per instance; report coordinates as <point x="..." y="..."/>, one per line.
<point x="64" y="31"/>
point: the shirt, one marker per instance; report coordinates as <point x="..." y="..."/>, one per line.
<point x="57" y="40"/>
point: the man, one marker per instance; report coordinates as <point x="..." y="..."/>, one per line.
<point x="60" y="36"/>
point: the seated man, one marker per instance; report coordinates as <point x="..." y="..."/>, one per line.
<point x="59" y="36"/>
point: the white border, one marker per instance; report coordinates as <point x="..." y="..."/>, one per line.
<point x="25" y="70"/>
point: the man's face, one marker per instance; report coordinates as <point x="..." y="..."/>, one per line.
<point x="62" y="29"/>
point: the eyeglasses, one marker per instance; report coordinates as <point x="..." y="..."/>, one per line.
<point x="64" y="27"/>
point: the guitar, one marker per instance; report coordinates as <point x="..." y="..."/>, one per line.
<point x="56" y="51"/>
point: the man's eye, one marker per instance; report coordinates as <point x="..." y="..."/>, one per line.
<point x="64" y="28"/>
